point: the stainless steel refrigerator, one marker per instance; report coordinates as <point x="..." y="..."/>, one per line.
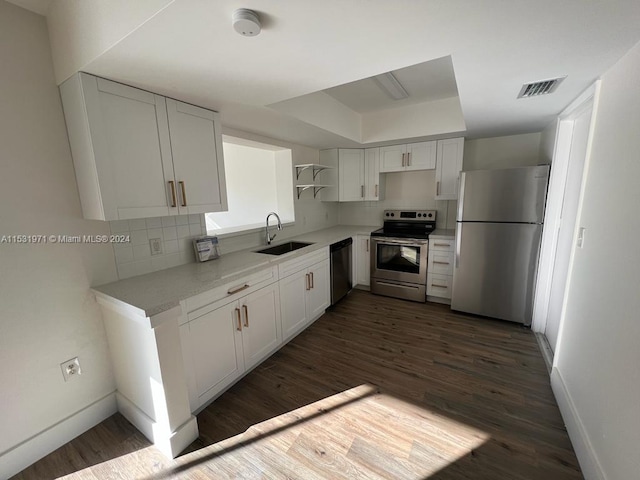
<point x="498" y="232"/>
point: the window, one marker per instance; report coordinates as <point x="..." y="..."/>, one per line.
<point x="259" y="180"/>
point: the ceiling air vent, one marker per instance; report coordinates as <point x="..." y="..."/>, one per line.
<point x="539" y="88"/>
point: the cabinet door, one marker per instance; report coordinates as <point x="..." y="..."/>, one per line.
<point x="198" y="162"/>
<point x="293" y="294"/>
<point x="372" y="174"/>
<point x="261" y="333"/>
<point x="351" y="174"/>
<point x="448" y="168"/>
<point x="392" y="158"/>
<point x="216" y="350"/>
<point x="364" y="260"/>
<point x="318" y="296"/>
<point x="130" y="139"/>
<point x="421" y="156"/>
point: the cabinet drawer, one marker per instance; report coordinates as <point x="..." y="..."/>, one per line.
<point x="439" y="285"/>
<point x="300" y="263"/>
<point x="440" y="262"/>
<point x="441" y="244"/>
<point x="203" y="303"/>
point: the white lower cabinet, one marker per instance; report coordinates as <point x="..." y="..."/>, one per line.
<point x="304" y="296"/>
<point x="440" y="267"/>
<point x="363" y="260"/>
<point x="224" y="343"/>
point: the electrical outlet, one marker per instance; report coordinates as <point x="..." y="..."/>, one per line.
<point x="156" y="246"/>
<point x="70" y="369"/>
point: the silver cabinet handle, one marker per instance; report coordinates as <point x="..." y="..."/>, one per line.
<point x="311" y="274"/>
<point x="308" y="285"/>
<point x="403" y="159"/>
<point x="246" y="315"/>
<point x="441" y="245"/>
<point x="367" y="244"/>
<point x="184" y="193"/>
<point x="376" y="195"/>
<point x="409" y="159"/>
<point x="439" y="286"/>
<point x="441" y="263"/>
<point x="233" y="290"/>
<point x="172" y="184"/>
<point x="362" y="191"/>
<point x="239" y="327"/>
<point x="437" y="188"/>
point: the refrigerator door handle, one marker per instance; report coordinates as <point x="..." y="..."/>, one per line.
<point x="458" y="241"/>
<point x="461" y="196"/>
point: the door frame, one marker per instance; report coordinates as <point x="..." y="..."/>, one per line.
<point x="555" y="199"/>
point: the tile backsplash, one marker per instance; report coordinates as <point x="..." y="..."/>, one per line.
<point x="175" y="233"/>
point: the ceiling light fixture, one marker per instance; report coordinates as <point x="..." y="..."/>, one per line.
<point x="246" y="22"/>
<point x="391" y="86"/>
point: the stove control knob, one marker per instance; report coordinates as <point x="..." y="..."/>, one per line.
<point x="430" y="215"/>
<point x="393" y="215"/>
<point x="419" y="215"/>
<point x="386" y="214"/>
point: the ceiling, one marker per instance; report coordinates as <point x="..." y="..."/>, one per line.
<point x="188" y="49"/>
<point x="425" y="82"/>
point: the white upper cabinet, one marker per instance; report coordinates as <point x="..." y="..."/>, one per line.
<point x="448" y="168"/>
<point x="421" y="156"/>
<point x="357" y="176"/>
<point x="196" y="143"/>
<point x="412" y="156"/>
<point x="130" y="155"/>
<point x="351" y="176"/>
<point x="372" y="174"/>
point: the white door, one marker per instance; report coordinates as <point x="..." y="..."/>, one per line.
<point x="421" y="156"/>
<point x="392" y="158"/>
<point x="216" y="349"/>
<point x="197" y="158"/>
<point x="351" y="174"/>
<point x="363" y="252"/>
<point x="448" y="168"/>
<point x="131" y="145"/>
<point x="569" y="212"/>
<point x="318" y="296"/>
<point x="372" y="174"/>
<point x="260" y="324"/>
<point x="293" y="295"/>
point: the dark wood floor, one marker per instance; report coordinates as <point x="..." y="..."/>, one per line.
<point x="377" y="388"/>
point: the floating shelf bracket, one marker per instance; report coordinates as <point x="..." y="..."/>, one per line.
<point x="315" y="168"/>
<point x="316" y="189"/>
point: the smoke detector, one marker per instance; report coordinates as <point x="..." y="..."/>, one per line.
<point x="246" y="22"/>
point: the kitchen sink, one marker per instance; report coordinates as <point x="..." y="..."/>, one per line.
<point x="284" y="248"/>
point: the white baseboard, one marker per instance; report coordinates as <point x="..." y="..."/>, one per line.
<point x="169" y="443"/>
<point x="33" y="449"/>
<point x="591" y="468"/>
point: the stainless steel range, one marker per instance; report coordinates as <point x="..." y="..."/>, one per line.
<point x="399" y="254"/>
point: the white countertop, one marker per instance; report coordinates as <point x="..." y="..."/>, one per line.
<point x="160" y="291"/>
<point x="442" y="233"/>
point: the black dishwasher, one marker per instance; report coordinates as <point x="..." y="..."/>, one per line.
<point x="341" y="282"/>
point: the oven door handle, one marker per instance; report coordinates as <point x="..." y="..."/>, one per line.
<point x="393" y="241"/>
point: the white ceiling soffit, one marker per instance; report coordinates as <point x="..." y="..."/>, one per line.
<point x="41" y="7"/>
<point x="190" y="51"/>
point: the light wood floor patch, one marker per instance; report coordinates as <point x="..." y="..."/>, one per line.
<point x="377" y="388"/>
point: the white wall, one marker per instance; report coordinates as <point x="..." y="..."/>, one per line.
<point x="598" y="353"/>
<point x="502" y="152"/>
<point x="47" y="313"/>
<point x="78" y="33"/>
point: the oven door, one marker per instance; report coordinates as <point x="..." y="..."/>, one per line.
<point x="403" y="260"/>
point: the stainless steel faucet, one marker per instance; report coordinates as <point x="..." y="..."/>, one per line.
<point x="271" y="237"/>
